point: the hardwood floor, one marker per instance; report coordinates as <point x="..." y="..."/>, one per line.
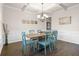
<point x="63" y="49"/>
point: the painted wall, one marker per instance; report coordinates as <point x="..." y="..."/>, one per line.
<point x="13" y="17"/>
<point x="1" y="40"/>
<point x="67" y="32"/>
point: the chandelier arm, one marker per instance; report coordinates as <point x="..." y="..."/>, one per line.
<point x="42" y="17"/>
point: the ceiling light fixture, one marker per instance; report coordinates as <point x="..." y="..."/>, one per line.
<point x="42" y="17"/>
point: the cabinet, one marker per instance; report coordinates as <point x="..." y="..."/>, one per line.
<point x="48" y="23"/>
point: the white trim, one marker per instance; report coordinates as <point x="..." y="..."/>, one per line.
<point x="1" y="45"/>
<point x="1" y="48"/>
<point x="69" y="36"/>
<point x="14" y="8"/>
<point x="68" y="41"/>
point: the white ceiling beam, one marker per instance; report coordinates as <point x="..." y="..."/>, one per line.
<point x="63" y="6"/>
<point x="24" y="6"/>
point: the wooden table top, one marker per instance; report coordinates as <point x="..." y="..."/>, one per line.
<point x="35" y="35"/>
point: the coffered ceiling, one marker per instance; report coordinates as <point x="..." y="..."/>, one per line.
<point x="37" y="7"/>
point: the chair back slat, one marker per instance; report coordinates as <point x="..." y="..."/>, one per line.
<point x="48" y="35"/>
<point x="55" y="34"/>
<point x="23" y="38"/>
<point x="51" y="36"/>
<point x="31" y="31"/>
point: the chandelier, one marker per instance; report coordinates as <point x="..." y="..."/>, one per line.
<point x="42" y="17"/>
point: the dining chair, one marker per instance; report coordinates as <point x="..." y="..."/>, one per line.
<point x="53" y="41"/>
<point x="38" y="31"/>
<point x="45" y="42"/>
<point x="31" y="31"/>
<point x="26" y="43"/>
<point x="35" y="39"/>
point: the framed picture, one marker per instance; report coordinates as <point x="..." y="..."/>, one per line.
<point x="29" y="22"/>
<point x="65" y="20"/>
<point x="23" y="21"/>
<point x="32" y="22"/>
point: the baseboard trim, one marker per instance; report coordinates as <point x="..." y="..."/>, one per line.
<point x="69" y="42"/>
<point x="1" y="49"/>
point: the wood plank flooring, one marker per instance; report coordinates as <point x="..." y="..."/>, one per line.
<point x="63" y="49"/>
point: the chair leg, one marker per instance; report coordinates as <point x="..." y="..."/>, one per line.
<point x="23" y="50"/>
<point x="34" y="48"/>
<point x="50" y="48"/>
<point x="27" y="50"/>
<point x="45" y="50"/>
<point x="54" y="47"/>
<point x="38" y="46"/>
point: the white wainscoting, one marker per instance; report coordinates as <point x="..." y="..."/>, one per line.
<point x="1" y="45"/>
<point x="69" y="36"/>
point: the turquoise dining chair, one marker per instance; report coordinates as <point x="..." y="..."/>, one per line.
<point x="26" y="43"/>
<point x="38" y="31"/>
<point x="50" y="38"/>
<point x="45" y="42"/>
<point x="35" y="39"/>
<point x="53" y="40"/>
<point x="31" y="31"/>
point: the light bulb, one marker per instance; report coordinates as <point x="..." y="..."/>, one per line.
<point x="42" y="17"/>
<point x="45" y="15"/>
<point x="38" y="16"/>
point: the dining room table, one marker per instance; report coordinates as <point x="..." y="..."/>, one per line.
<point x="36" y="36"/>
